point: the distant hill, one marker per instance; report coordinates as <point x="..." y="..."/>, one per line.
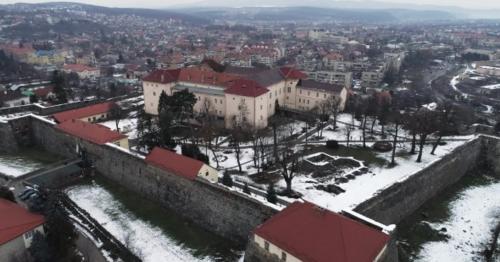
<point x="458" y="12"/>
<point x="316" y="14"/>
<point x="149" y="13"/>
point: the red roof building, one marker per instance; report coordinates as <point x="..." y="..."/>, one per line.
<point x="244" y="87"/>
<point x="85" y="112"/>
<point x="292" y="73"/>
<point x="174" y="163"/>
<point x="78" y="68"/>
<point x="94" y="133"/>
<point x="310" y="233"/>
<point x="15" y="221"/>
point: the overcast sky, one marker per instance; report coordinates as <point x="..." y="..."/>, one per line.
<point x="477" y="4"/>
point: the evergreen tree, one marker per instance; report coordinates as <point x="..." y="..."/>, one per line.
<point x="227" y="180"/>
<point x="39" y="249"/>
<point x="59" y="87"/>
<point x="33" y="98"/>
<point x="165" y="129"/>
<point x="271" y="196"/>
<point x="163" y="102"/>
<point x="61" y="234"/>
<point x="147" y="131"/>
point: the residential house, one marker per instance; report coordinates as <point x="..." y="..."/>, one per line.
<point x="305" y="232"/>
<point x="180" y="165"/>
<point x="93" y="113"/>
<point x="95" y="133"/>
<point x="17" y="228"/>
<point x="83" y="71"/>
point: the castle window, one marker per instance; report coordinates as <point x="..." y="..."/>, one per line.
<point x="266" y="246"/>
<point x="154" y="93"/>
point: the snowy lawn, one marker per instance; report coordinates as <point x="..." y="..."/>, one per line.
<point x="473" y="215"/>
<point x="149" y="242"/>
<point x="127" y="126"/>
<point x="365" y="186"/>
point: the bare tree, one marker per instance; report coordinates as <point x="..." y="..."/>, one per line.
<point x="239" y="131"/>
<point x="348" y="128"/>
<point x="395" y="117"/>
<point x="333" y="104"/>
<point x="425" y="125"/>
<point x="289" y="162"/>
<point x="256" y="137"/>
<point x="321" y="112"/>
<point x="116" y="113"/>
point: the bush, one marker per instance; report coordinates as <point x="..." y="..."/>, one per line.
<point x="382" y="146"/>
<point x="5" y="193"/>
<point x="227" y="180"/>
<point x="271" y="196"/>
<point x="332" y="144"/>
<point x="246" y="189"/>
<point x="193" y="151"/>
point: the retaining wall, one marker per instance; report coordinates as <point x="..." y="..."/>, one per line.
<point x="228" y="213"/>
<point x="401" y="199"/>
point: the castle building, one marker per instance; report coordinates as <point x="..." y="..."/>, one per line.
<point x="240" y="94"/>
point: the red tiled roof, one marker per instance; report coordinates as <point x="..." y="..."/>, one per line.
<point x="174" y="163"/>
<point x="43" y="92"/>
<point x="244" y="87"/>
<point x="288" y="72"/>
<point x="163" y="76"/>
<point x="190" y="74"/>
<point x="314" y="234"/>
<point x="16" y="221"/>
<point x="205" y="76"/>
<point x="84" y="112"/>
<point x="94" y="133"/>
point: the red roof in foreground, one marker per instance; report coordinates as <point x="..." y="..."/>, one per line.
<point x="94" y="133"/>
<point x="174" y="163"/>
<point x="289" y="72"/>
<point x="313" y="234"/>
<point x="244" y="87"/>
<point x="15" y="221"/>
<point x="84" y="112"/>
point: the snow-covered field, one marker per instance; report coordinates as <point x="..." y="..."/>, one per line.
<point x="146" y="240"/>
<point x="127" y="126"/>
<point x="367" y="185"/>
<point x="473" y="215"/>
<point x="13" y="165"/>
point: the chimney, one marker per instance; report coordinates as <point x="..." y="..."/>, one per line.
<point x="162" y="77"/>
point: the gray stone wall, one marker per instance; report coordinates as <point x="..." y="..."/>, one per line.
<point x="254" y="253"/>
<point x="8" y="143"/>
<point x="230" y="214"/>
<point x="399" y="200"/>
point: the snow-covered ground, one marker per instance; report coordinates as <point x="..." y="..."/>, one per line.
<point x="147" y="241"/>
<point x="472" y="217"/>
<point x="127" y="126"/>
<point x="365" y="186"/>
<point x="15" y="165"/>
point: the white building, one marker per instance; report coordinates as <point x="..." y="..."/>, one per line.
<point x="249" y="94"/>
